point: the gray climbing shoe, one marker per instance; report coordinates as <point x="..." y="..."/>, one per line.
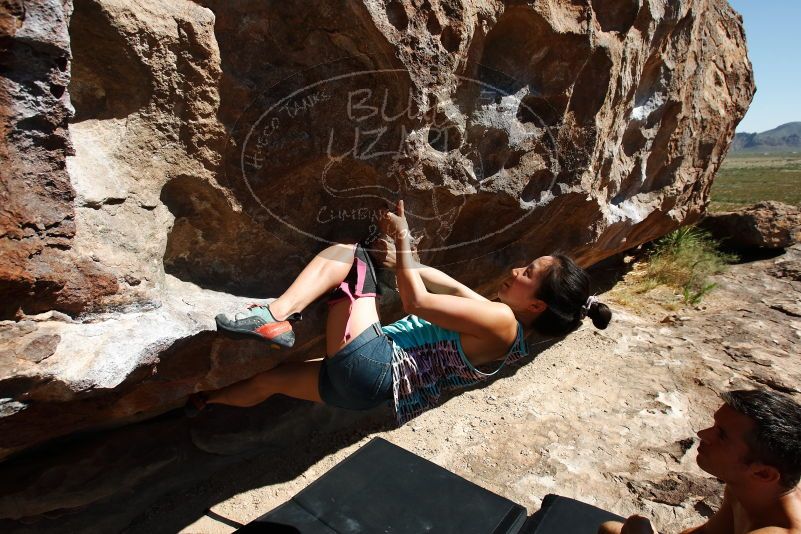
<point x="258" y="322"/>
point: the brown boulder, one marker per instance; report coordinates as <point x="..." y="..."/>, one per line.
<point x="764" y="225"/>
<point x="215" y="146"/>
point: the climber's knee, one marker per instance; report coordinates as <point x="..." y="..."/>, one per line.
<point x="341" y="252"/>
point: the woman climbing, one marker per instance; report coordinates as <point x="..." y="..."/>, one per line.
<point x="449" y="336"/>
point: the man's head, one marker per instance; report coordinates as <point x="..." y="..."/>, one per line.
<point x="756" y="438"/>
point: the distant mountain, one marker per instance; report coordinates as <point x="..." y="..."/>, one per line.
<point x="786" y="137"/>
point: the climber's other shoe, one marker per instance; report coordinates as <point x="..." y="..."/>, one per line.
<point x="259" y="322"/>
<point x="195" y="404"/>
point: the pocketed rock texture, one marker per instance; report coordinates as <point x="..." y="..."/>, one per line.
<point x="164" y="159"/>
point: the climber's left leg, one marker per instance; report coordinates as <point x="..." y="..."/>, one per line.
<point x="271" y="322"/>
<point x="322" y="274"/>
<point x="295" y="379"/>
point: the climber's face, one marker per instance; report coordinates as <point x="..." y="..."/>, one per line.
<point x="519" y="289"/>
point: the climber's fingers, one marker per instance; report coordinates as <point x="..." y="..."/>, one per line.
<point x="384" y="222"/>
<point x="394" y="224"/>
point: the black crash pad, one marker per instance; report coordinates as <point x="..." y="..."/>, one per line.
<point x="562" y="515"/>
<point x="384" y="488"/>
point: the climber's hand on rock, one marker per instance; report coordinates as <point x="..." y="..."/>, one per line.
<point x="394" y="224"/>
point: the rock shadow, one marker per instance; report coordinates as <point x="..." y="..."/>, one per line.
<point x="164" y="473"/>
<point x="616" y="16"/>
<point x="216" y="247"/>
<point x="108" y="79"/>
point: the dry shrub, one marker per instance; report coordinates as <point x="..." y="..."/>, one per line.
<point x="685" y="259"/>
<point x="671" y="272"/>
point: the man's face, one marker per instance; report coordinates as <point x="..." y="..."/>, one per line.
<point x="723" y="451"/>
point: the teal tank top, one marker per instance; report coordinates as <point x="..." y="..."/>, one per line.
<point x="428" y="359"/>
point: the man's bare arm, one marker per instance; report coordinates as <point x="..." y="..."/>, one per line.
<point x="720" y="523"/>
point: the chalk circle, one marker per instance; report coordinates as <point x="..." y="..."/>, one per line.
<point x="361" y="96"/>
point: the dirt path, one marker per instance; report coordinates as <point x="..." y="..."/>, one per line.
<point x="606" y="417"/>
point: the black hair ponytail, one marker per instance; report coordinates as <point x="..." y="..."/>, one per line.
<point x="566" y="291"/>
<point x="600" y="314"/>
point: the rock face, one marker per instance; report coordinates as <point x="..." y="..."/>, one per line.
<point x="37" y="220"/>
<point x="767" y="225"/>
<point x="163" y="159"/>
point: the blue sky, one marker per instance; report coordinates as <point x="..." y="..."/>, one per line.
<point x="773" y="33"/>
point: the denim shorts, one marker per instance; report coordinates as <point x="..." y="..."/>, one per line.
<point x="359" y="375"/>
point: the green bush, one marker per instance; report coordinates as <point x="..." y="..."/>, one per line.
<point x="684" y="259"/>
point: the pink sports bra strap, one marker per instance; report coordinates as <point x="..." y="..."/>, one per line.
<point x="350" y="290"/>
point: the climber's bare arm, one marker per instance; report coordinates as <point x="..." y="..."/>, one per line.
<point x="438" y="282"/>
<point x="491" y="321"/>
<point x="487" y="321"/>
<point x="434" y="280"/>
